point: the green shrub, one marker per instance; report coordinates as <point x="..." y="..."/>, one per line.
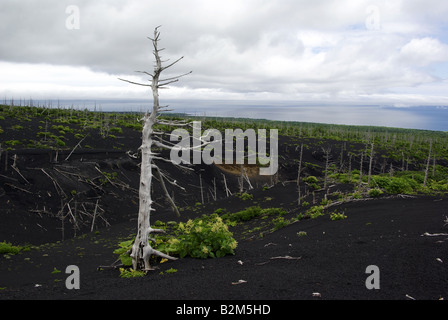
<point x="116" y="130"/>
<point x="251" y="213"/>
<point x="399" y="185"/>
<point x="438" y="185"/>
<point x="375" y="192"/>
<point x="311" y="179"/>
<point x="315" y="211"/>
<point x="243" y="215"/>
<point x="203" y="237"/>
<point x="314" y="186"/>
<point x="123" y="252"/>
<point x="8" y="248"/>
<point x="356" y="195"/>
<point x="273" y="211"/>
<point x="60" y="143"/>
<point x="220" y="211"/>
<point x="12" y="142"/>
<point x="381" y="182"/>
<point x="280" y="222"/>
<point x="246" y="196"/>
<point x="337" y="216"/>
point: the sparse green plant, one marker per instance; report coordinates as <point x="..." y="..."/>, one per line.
<point x="325" y="201"/>
<point x="246" y="196"/>
<point x="220" y="211"/>
<point x="356" y="195"/>
<point x="280" y="222"/>
<point x="12" y="142"/>
<point x="60" y="143"/>
<point x="116" y="130"/>
<point x="337" y="216"/>
<point x="78" y="136"/>
<point x="108" y="177"/>
<point x="243" y="215"/>
<point x="315" y="211"/>
<point x="171" y="270"/>
<point x="17" y="127"/>
<point x="131" y="273"/>
<point x="55" y="271"/>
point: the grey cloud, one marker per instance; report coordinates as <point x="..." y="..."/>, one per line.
<point x="234" y="46"/>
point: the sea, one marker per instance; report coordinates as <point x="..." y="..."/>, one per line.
<point x="416" y="117"/>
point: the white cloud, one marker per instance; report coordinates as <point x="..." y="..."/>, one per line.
<point x="424" y="51"/>
<point x="254" y="49"/>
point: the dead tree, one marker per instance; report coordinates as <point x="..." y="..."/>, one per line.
<point x="299" y="172"/>
<point x="350" y="166"/>
<point x="360" y="169"/>
<point x="427" y="164"/>
<point x="327" y="156"/>
<point x="142" y="251"/>
<point x="370" y="161"/>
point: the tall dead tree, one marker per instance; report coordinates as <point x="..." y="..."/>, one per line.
<point x="299" y="172"/>
<point x="371" y="160"/>
<point x="142" y="251"/>
<point x="327" y="156"/>
<point x="427" y="164"/>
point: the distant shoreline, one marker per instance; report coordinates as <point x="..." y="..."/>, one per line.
<point x="433" y="118"/>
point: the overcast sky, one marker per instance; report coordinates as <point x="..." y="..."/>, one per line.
<point x="346" y="51"/>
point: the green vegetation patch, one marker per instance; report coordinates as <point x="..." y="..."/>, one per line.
<point x="8" y="248"/>
<point x="204" y="237"/>
<point x="251" y="213"/>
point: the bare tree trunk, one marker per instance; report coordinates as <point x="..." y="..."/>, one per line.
<point x="370" y="162"/>
<point x="170" y="199"/>
<point x="228" y="193"/>
<point x="241" y="179"/>
<point x="214" y="190"/>
<point x="246" y="177"/>
<point x="141" y="250"/>
<point x="327" y="163"/>
<point x="202" y="192"/>
<point x="434" y="166"/>
<point x="360" y="168"/>
<point x="299" y="172"/>
<point x="341" y="159"/>
<point x="427" y="164"/>
<point x="349" y="167"/>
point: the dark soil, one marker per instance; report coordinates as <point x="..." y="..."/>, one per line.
<point x="328" y="259"/>
<point x="334" y="255"/>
